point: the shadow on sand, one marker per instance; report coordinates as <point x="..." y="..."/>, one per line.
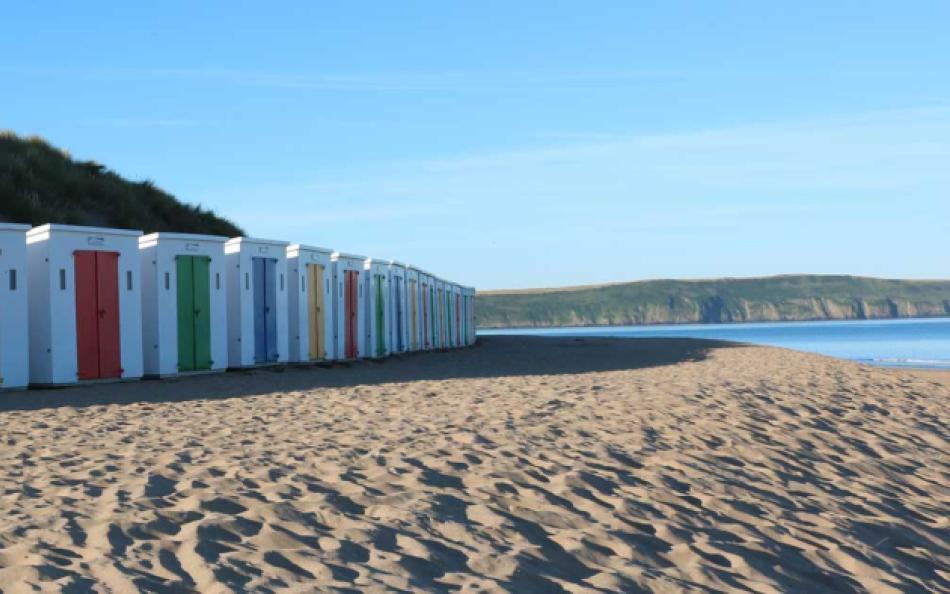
<point x="493" y="356"/>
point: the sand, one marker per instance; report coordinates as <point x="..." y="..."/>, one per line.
<point x="522" y="464"/>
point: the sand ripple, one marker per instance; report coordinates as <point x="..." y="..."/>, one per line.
<point x="695" y="469"/>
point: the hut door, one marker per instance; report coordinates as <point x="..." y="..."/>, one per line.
<point x="315" y="311"/>
<point x="458" y="321"/>
<point x="380" y="317"/>
<point x="413" y="316"/>
<point x="270" y="289"/>
<point x="399" y="315"/>
<point x="98" y="352"/>
<point x="265" y="309"/>
<point x="424" y="300"/>
<point x="351" y="299"/>
<point x="260" y="310"/>
<point x="448" y="318"/>
<point x="441" y="299"/>
<point x="465" y="318"/>
<point x="432" y="315"/>
<point x="194" y="313"/>
<point x="443" y="324"/>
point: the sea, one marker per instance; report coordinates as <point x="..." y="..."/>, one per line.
<point x="914" y="342"/>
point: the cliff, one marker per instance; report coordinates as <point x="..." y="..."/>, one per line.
<point x="778" y="298"/>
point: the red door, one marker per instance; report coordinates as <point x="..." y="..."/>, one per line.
<point x="107" y="276"/>
<point x="351" y="309"/>
<point x="97" y="315"/>
<point x="87" y="316"/>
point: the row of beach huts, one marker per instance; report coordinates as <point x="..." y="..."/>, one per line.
<point x="80" y="304"/>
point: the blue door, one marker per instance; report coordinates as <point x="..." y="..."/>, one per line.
<point x="260" y="310"/>
<point x="270" y="289"/>
<point x="265" y="309"/>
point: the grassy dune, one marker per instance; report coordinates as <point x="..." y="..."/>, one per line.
<point x="40" y="183"/>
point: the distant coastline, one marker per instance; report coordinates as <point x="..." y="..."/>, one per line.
<point x="789" y="298"/>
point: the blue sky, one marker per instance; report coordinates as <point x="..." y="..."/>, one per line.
<point x="519" y="144"/>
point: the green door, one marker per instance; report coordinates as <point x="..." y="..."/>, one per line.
<point x="202" y="282"/>
<point x="380" y="317"/>
<point x="194" y="313"/>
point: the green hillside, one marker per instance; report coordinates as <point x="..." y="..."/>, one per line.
<point x="778" y="298"/>
<point x="42" y="184"/>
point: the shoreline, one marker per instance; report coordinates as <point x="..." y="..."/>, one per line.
<point x="714" y="324"/>
<point x="825" y="339"/>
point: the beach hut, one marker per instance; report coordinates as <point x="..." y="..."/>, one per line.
<point x="450" y="315"/>
<point x="413" y="305"/>
<point x="311" y="303"/>
<point x="398" y="308"/>
<point x="439" y="312"/>
<point x="470" y="315"/>
<point x="433" y="303"/>
<point x="257" y="301"/>
<point x="426" y="319"/>
<point x="449" y="326"/>
<point x="445" y="314"/>
<point x="349" y="311"/>
<point x="184" y="304"/>
<point x="457" y="315"/>
<point x="85" y="307"/>
<point x="14" y="331"/>
<point x="425" y="335"/>
<point x="376" y="282"/>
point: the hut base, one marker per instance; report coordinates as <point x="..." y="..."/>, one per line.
<point x="155" y="376"/>
<point x="88" y="382"/>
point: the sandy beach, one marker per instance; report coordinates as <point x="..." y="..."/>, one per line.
<point x="521" y="464"/>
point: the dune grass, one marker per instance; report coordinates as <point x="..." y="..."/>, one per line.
<point x="40" y="183"/>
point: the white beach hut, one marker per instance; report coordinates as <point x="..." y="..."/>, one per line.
<point x="470" y="315"/>
<point x="349" y="325"/>
<point x="311" y="303"/>
<point x="425" y="310"/>
<point x="376" y="282"/>
<point x="257" y="301"/>
<point x="398" y="308"/>
<point x="414" y="309"/>
<point x="430" y="312"/>
<point x="184" y="304"/>
<point x="446" y="314"/>
<point x="14" y="330"/>
<point x="85" y="307"/>
<point x="443" y="312"/>
<point x="457" y="316"/>
<point x="449" y="318"/>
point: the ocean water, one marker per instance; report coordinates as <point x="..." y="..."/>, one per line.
<point x="892" y="343"/>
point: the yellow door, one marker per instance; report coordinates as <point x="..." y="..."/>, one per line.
<point x="315" y="309"/>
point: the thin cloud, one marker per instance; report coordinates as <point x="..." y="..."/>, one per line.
<point x="824" y="161"/>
